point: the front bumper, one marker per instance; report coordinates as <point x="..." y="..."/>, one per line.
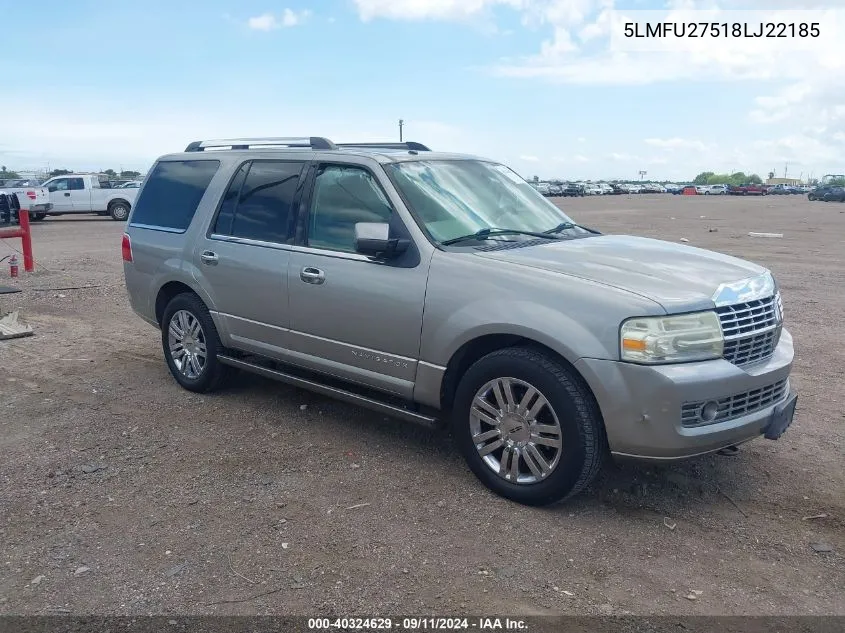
<point x="642" y="405"/>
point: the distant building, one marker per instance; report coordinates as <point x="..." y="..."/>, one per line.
<point x="784" y="181"/>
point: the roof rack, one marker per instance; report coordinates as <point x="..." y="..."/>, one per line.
<point x="409" y="145"/>
<point x="312" y="142"/>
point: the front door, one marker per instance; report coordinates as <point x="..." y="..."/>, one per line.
<point x="60" y="195"/>
<point x="242" y="261"/>
<point x="352" y="317"/>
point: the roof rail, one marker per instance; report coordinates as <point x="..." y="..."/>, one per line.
<point x="409" y="145"/>
<point x="312" y="142"/>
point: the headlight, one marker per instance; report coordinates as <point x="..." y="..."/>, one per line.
<point x="671" y="339"/>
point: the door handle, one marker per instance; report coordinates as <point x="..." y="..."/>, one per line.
<point x="312" y="275"/>
<point x="67" y="195"/>
<point x="209" y="257"/>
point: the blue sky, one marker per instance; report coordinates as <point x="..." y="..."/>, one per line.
<point x="533" y="83"/>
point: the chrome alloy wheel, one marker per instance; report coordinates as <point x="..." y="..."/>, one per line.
<point x="515" y="430"/>
<point x="186" y="341"/>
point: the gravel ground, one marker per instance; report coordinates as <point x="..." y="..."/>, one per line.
<point x="120" y="493"/>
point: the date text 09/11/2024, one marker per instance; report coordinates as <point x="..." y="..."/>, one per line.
<point x="722" y="29"/>
<point x="418" y="624"/>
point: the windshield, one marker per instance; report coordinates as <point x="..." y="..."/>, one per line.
<point x="453" y="198"/>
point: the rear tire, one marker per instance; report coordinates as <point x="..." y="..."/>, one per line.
<point x="119" y="211"/>
<point x="38" y="217"/>
<point x="191" y="343"/>
<point x="550" y="426"/>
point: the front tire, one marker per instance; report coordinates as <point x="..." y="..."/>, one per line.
<point x="119" y="211"/>
<point x="528" y="427"/>
<point x="190" y="343"/>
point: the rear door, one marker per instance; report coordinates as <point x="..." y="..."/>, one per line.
<point x="242" y="259"/>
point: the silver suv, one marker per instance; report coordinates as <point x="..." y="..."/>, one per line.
<point x="438" y="287"/>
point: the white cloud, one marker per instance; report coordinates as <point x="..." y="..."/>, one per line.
<point x="453" y="10"/>
<point x="269" y="22"/>
<point x="581" y="159"/>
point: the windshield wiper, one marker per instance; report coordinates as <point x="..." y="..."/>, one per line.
<point x="565" y="226"/>
<point x="483" y="234"/>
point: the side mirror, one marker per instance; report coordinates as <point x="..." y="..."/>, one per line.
<point x="373" y="239"/>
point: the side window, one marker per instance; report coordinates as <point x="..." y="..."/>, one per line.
<point x="263" y="211"/>
<point x="342" y="197"/>
<point x="223" y="224"/>
<point x="173" y="191"/>
<point x="76" y="184"/>
<point x="58" y="185"/>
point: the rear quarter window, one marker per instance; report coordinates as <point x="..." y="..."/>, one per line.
<point x="172" y="193"/>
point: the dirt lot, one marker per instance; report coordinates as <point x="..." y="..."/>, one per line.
<point x="121" y="493"/>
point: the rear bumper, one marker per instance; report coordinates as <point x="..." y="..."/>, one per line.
<point x="642" y="405"/>
<point x="41" y="208"/>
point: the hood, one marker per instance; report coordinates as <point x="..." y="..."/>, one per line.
<point x="676" y="276"/>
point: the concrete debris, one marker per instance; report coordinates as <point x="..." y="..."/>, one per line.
<point x="11" y="327"/>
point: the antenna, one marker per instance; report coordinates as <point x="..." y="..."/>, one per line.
<point x="401" y="123"/>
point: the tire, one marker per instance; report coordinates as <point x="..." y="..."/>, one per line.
<point x="187" y="313"/>
<point x="569" y="415"/>
<point x="38" y="217"/>
<point x="119" y="211"/>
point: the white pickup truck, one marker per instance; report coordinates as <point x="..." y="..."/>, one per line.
<point x="33" y="197"/>
<point x="86" y="193"/>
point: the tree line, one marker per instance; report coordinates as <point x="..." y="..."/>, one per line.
<point x="736" y="179"/>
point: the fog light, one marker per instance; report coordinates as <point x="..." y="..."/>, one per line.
<point x="709" y="410"/>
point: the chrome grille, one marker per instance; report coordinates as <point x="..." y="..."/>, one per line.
<point x="735" y="406"/>
<point x="751" y="330"/>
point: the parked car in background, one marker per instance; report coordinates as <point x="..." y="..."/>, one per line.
<point x="717" y="190"/>
<point x="819" y="192"/>
<point x="542" y="187"/>
<point x="85" y="193"/>
<point x="33" y="197"/>
<point x="573" y="190"/>
<point x="594" y="190"/>
<point x="555" y="190"/>
<point x="603" y="344"/>
<point x="702" y="189"/>
<point x="748" y="190"/>
<point x="834" y="194"/>
<point x="672" y="187"/>
<point x="134" y="184"/>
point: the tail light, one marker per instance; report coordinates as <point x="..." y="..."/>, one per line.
<point x="126" y="247"/>
<point x="31" y="195"/>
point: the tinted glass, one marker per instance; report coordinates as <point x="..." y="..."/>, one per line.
<point x="264" y="207"/>
<point x="342" y="197"/>
<point x="173" y="192"/>
<point x="223" y="224"/>
<point x="58" y="185"/>
<point x="76" y="184"/>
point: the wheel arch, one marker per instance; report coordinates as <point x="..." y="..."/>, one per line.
<point x="476" y="348"/>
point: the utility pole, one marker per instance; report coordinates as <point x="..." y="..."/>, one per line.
<point x="401" y="123"/>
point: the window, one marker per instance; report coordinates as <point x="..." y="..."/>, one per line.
<point x="263" y="211"/>
<point x="58" y="185"/>
<point x="76" y="184"/>
<point x="173" y="192"/>
<point x="342" y="197"/>
<point x="223" y="224"/>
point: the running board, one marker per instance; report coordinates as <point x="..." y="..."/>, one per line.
<point x="332" y="392"/>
